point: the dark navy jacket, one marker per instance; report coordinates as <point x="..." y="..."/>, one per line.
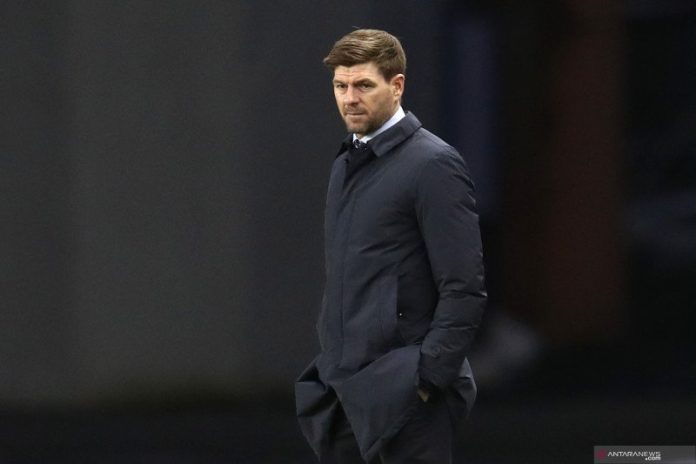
<point x="404" y="289"/>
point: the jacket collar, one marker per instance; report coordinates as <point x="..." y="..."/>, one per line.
<point x="389" y="138"/>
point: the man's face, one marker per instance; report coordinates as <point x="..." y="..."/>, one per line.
<point x="364" y="98"/>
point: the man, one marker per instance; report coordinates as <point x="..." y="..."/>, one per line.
<point x="404" y="287"/>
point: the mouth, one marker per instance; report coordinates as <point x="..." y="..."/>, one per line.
<point x="353" y="110"/>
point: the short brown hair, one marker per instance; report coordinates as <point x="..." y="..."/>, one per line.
<point x="365" y="45"/>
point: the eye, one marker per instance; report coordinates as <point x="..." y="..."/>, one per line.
<point x="365" y="86"/>
<point x="339" y="85"/>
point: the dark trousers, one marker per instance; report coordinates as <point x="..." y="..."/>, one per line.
<point x="425" y="439"/>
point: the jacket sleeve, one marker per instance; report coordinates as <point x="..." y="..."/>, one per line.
<point x="445" y="209"/>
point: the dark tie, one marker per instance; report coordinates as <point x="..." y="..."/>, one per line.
<point x="358" y="155"/>
<point x="358" y="145"/>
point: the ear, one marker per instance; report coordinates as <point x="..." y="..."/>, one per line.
<point x="397" y="84"/>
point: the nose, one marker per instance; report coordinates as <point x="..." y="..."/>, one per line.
<point x="350" y="96"/>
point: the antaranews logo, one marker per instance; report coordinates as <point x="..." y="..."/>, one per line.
<point x="641" y="454"/>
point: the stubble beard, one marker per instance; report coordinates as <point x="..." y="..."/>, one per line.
<point x="364" y="128"/>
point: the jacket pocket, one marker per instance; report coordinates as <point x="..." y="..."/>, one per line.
<point x="389" y="316"/>
<point x="370" y="330"/>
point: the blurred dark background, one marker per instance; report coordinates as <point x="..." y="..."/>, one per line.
<point x="162" y="177"/>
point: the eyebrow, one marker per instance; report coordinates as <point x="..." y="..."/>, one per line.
<point x="364" y="80"/>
